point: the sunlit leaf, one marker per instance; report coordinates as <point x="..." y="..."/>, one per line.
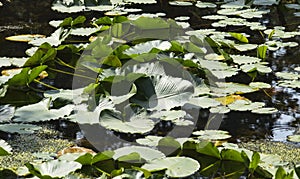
<point x="25" y="37"/>
<point x="265" y="110"/>
<point x="146" y="153"/>
<point x="41" y="112"/>
<point x="239" y="37"/>
<point x="212" y="134"/>
<point x="243" y="59"/>
<point x="56" y="168"/>
<point x="294" y="138"/>
<point x="230" y="99"/>
<point x="203" y="102"/>
<point x="174" y="166"/>
<point x="138" y="123"/>
<point x="19" y="128"/>
<point x="5" y="149"/>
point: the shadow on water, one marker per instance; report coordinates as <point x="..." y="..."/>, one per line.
<point x="32" y="17"/>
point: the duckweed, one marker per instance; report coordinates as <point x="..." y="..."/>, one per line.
<point x="288" y="152"/>
<point x="25" y="145"/>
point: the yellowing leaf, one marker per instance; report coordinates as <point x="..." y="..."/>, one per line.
<point x="24" y="37"/>
<point x="230" y="99"/>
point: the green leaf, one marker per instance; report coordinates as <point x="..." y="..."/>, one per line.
<point x="230" y="154"/>
<point x="67" y="22"/>
<point x="20" y="79"/>
<point x="146" y="153"/>
<point x="5" y="149"/>
<point x="262" y="51"/>
<point x="208" y="148"/>
<point x="239" y="37"/>
<point x="147" y="23"/>
<point x="280" y="173"/>
<point x="174" y="166"/>
<point x="254" y="161"/>
<point x="169" y="145"/>
<point x="243" y="59"/>
<point x="56" y="168"/>
<point x="104" y="21"/>
<point x="35" y="72"/>
<point x="78" y="21"/>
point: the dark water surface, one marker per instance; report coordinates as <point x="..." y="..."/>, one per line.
<point x="32" y="17"/>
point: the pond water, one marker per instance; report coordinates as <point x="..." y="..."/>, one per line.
<point x="32" y="17"/>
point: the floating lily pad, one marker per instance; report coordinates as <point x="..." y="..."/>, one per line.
<point x="41" y="112"/>
<point x="226" y="100"/>
<point x="180" y="3"/>
<point x="265" y="110"/>
<point x="245" y="105"/>
<point x="148" y="46"/>
<point x="232" y="88"/>
<point x="19" y="128"/>
<point x="169" y="115"/>
<point x="204" y="102"/>
<point x="214" y="17"/>
<point x="182" y="18"/>
<point x="84" y="31"/>
<point x="289" y="83"/>
<point x="287" y="75"/>
<point x="260" y="67"/>
<point x="149" y="140"/>
<point x="5" y="149"/>
<point x="25" y="37"/>
<point x="146" y="153"/>
<point x="12" y="61"/>
<point x="57" y="168"/>
<point x="245" y="47"/>
<point x="205" y="4"/>
<point x="174" y="166"/>
<point x="212" y="134"/>
<point x="219" y="109"/>
<point x="137" y="123"/>
<point x="294" y="138"/>
<point x="243" y="59"/>
<point x="259" y="85"/>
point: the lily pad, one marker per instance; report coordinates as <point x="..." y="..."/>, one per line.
<point x="294" y="138"/>
<point x="149" y="140"/>
<point x="148" y="46"/>
<point x="169" y="115"/>
<point x="174" y="166"/>
<point x="19" y="128"/>
<point x="205" y="4"/>
<point x="5" y="149"/>
<point x="259" y="85"/>
<point x="41" y="112"/>
<point x="243" y="59"/>
<point x="56" y="168"/>
<point x="204" y="102"/>
<point x="287" y="75"/>
<point x="266" y="110"/>
<point x="245" y="105"/>
<point x="24" y="37"/>
<point x="180" y="3"/>
<point x="145" y="152"/>
<point x="138" y="123"/>
<point x="260" y="67"/>
<point x="212" y="134"/>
